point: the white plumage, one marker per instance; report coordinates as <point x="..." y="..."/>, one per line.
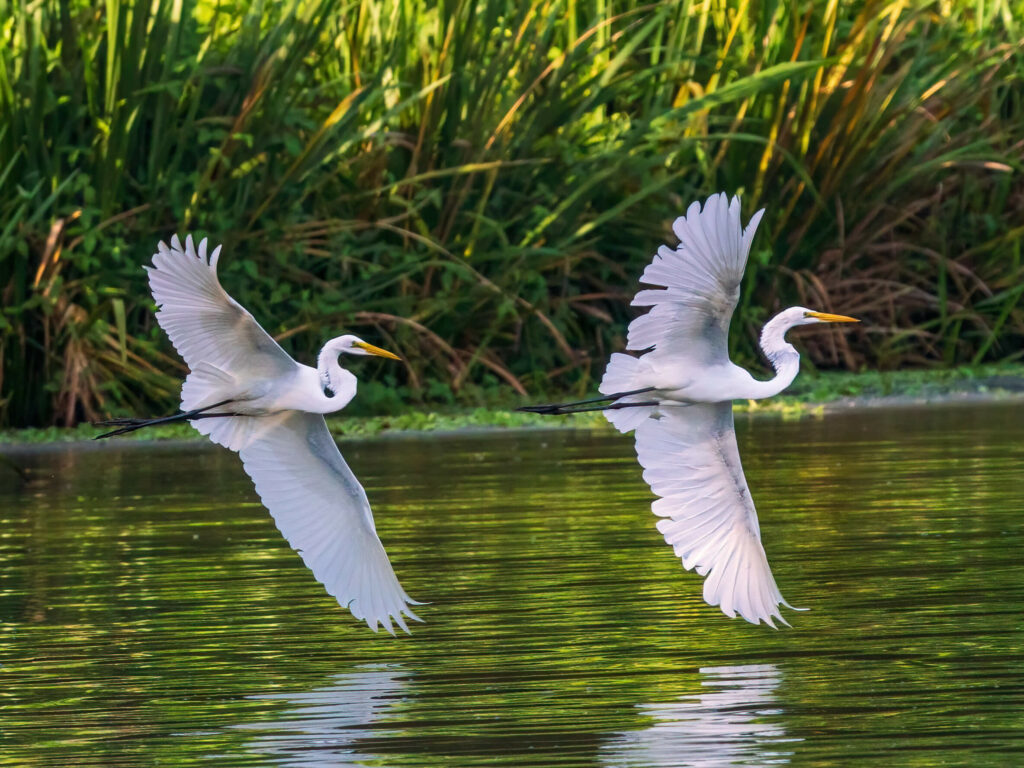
<point x="701" y="278"/>
<point x="323" y="512"/>
<point x="686" y="442"/>
<point x="247" y="394"/>
<point x="690" y="460"/>
<point x="205" y="325"/>
<point x="678" y="395"/>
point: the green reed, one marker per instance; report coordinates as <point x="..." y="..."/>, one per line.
<point x="478" y="184"/>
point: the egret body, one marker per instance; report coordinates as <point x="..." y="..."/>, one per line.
<point x="677" y="396"/>
<point x="247" y="394"/>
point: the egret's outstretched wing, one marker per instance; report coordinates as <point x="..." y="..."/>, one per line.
<point x="702" y="275"/>
<point x="203" y="322"/>
<point x="320" y="507"/>
<point x="691" y="461"/>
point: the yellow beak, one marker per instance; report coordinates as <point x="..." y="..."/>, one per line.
<point x="825" y="317"/>
<point x="375" y="350"/>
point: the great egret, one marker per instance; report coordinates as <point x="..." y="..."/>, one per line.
<point x="678" y="397"/>
<point x="246" y="393"/>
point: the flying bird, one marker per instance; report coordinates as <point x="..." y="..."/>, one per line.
<point x="677" y="397"/>
<point x="247" y="394"/>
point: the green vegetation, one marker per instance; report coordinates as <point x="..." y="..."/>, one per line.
<point x="476" y="184"/>
<point x="807" y="397"/>
<point x="342" y="426"/>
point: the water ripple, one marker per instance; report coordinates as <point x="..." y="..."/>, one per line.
<point x="151" y="613"/>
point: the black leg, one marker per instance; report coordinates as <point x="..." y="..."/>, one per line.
<point x="557" y="408"/>
<point x="130" y="425"/>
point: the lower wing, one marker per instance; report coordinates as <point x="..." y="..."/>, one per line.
<point x="322" y="510"/>
<point x="691" y="461"/>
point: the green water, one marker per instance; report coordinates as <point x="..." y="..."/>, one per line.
<point x="150" y="614"/>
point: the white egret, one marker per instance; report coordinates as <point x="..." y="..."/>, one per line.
<point x="678" y="398"/>
<point x="247" y="394"/>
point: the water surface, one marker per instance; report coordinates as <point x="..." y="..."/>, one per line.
<point x="150" y="613"/>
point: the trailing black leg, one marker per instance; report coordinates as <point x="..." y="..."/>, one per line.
<point x="559" y="408"/>
<point x="130" y="425"/>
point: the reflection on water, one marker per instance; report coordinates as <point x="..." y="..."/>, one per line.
<point x="322" y="727"/>
<point x="735" y="722"/>
<point x="151" y="614"/>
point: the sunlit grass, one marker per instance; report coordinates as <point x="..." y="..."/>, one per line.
<point x="478" y="184"/>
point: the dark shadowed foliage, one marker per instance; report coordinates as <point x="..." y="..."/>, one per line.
<point x="478" y="184"/>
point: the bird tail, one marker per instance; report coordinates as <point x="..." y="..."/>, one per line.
<point x="625" y="374"/>
<point x="207" y="384"/>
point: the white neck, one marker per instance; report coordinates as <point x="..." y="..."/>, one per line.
<point x="336" y="384"/>
<point x="780" y="353"/>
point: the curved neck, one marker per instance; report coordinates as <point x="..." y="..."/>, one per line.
<point x="336" y="384"/>
<point x="780" y="353"/>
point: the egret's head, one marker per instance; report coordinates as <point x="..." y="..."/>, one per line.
<point x="353" y="345"/>
<point x="804" y="316"/>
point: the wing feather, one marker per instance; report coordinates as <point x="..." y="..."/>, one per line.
<point x="691" y="461"/>
<point x="699" y="284"/>
<point x="203" y="322"/>
<point x="323" y="512"/>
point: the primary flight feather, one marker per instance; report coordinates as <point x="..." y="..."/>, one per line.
<point x="677" y="396"/>
<point x="247" y="394"/>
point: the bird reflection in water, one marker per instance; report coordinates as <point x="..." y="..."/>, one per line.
<point x="735" y="722"/>
<point x="326" y="725"/>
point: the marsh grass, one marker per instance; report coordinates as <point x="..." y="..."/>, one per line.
<point x="477" y="184"/>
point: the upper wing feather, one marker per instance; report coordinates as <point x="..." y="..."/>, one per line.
<point x="701" y="278"/>
<point x="322" y="510"/>
<point x="203" y="322"/>
<point x="691" y="461"/>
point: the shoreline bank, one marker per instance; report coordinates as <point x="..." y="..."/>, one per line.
<point x="814" y="395"/>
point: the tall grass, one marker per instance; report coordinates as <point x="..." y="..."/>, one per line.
<point x="476" y="184"/>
